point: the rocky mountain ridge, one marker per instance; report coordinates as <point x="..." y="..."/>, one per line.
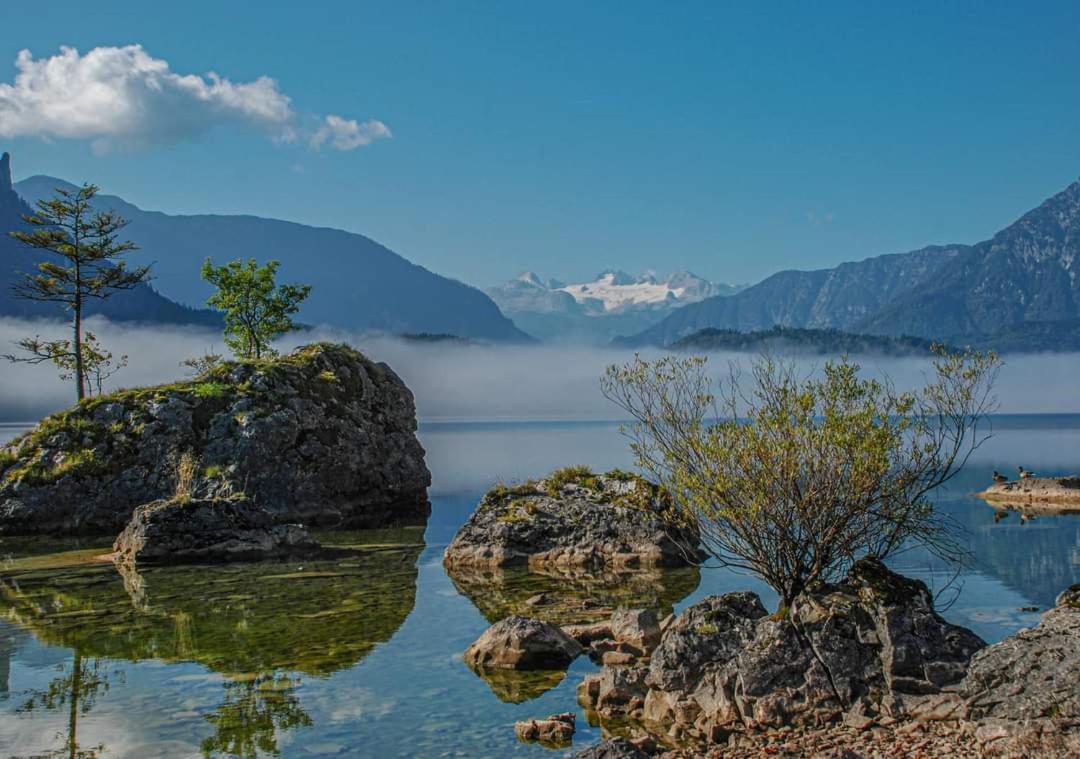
<point x="1026" y="274"/>
<point x="356" y="282"/>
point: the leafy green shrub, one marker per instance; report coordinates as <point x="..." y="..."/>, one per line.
<point x="794" y="478"/>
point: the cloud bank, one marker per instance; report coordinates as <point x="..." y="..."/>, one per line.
<point x="476" y="382"/>
<point x="122" y="97"/>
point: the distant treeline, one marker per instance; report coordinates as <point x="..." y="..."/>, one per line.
<point x="803" y="341"/>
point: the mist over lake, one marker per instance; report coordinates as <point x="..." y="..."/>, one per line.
<point x="452" y="381"/>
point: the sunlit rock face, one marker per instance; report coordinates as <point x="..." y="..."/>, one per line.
<point x="873" y="642"/>
<point x="1033" y="674"/>
<point x="574" y="518"/>
<point x="322" y="436"/>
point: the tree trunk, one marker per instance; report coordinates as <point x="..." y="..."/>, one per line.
<point x="73" y="716"/>
<point x="80" y="388"/>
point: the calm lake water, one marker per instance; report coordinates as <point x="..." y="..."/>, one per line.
<point x="360" y="655"/>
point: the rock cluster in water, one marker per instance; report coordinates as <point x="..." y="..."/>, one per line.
<point x="866" y="665"/>
<point x="322" y="436"/>
<point x="574" y="518"/>
<point x="1060" y="491"/>
<point x="201" y="530"/>
<point x="870" y="644"/>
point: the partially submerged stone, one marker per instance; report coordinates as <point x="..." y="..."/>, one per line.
<point x="207" y="530"/>
<point x="575" y="518"/>
<point x="521" y="643"/>
<point x="1060" y="491"/>
<point x="323" y="436"/>
<point x="613" y="748"/>
<point x="556" y="730"/>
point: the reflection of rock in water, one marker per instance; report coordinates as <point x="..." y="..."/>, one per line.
<point x="259" y="624"/>
<point x="314" y="616"/>
<point x="572" y="595"/>
<point x="516" y="687"/>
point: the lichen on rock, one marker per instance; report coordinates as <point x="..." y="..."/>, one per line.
<point x="338" y="452"/>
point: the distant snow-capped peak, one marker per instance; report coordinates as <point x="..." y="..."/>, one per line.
<point x="616" y="291"/>
<point x="612" y="291"/>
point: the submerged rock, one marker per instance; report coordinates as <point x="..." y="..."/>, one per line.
<point x="207" y="530"/>
<point x="322" y="436"/>
<point x="523" y="644"/>
<point x="613" y="748"/>
<point x="873" y="642"/>
<point x="574" y="518"/>
<point x="1034" y="673"/>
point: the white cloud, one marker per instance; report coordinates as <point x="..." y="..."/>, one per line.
<point x="124" y="97"/>
<point x="348" y="134"/>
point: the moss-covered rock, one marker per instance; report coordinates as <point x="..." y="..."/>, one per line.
<point x="574" y="517"/>
<point x="321" y="436"/>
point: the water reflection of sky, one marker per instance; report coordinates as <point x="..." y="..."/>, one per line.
<point x="411" y="695"/>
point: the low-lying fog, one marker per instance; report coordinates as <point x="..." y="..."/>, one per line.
<point x="453" y="381"/>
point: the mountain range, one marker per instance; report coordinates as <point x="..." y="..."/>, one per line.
<point x="1023" y="280"/>
<point x="610" y="304"/>
<point x="142" y="304"/>
<point x="356" y="282"/>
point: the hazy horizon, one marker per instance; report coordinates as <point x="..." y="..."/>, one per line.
<point x="471" y="382"/>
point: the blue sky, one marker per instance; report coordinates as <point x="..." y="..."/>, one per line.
<point x="731" y="140"/>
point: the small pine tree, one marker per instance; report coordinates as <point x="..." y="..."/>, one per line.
<point x="89" y="266"/>
<point x="256" y="309"/>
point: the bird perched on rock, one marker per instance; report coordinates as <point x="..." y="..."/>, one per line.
<point x="999" y="477"/>
<point x="1024" y="474"/>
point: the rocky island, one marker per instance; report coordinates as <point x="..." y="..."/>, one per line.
<point x="322" y="436"/>
<point x="574" y="517"/>
<point x="1032" y="492"/>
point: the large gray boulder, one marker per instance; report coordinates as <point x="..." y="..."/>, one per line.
<point x="1033" y="674"/>
<point x="207" y="530"/>
<point x="322" y="436"/>
<point x="520" y="643"/>
<point x="574" y="518"/>
<point x="872" y="643"/>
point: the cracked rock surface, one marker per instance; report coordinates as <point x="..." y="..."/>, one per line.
<point x="872" y="645"/>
